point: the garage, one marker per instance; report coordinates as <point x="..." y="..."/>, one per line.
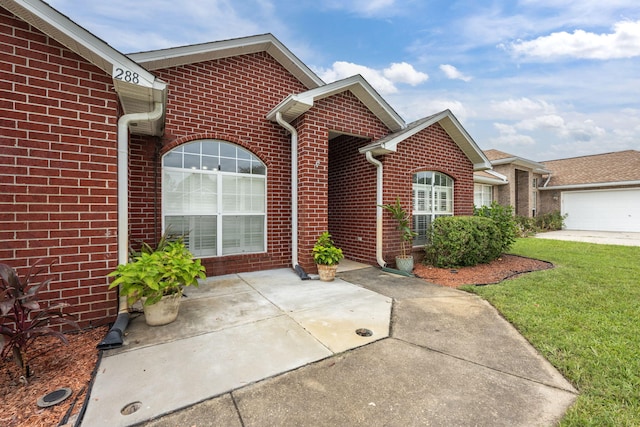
<point x="602" y="210"/>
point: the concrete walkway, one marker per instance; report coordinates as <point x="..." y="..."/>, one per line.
<point x="267" y="349"/>
<point x="622" y="238"/>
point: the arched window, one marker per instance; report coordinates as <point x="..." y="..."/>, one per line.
<point x="214" y="193"/>
<point x="432" y="197"/>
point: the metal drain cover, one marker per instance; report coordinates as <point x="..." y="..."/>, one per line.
<point x="363" y="332"/>
<point x="54" y="397"/>
<point x="130" y="408"/>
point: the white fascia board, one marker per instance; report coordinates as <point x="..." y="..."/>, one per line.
<point x="295" y="105"/>
<point x="191" y="54"/>
<point x="591" y="185"/>
<point x="487" y="180"/>
<point x="76" y="38"/>
<point x="450" y="124"/>
<point x="519" y="161"/>
<point x="291" y="108"/>
<point x="498" y="175"/>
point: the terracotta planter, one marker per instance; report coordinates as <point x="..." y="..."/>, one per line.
<point x="405" y="264"/>
<point x="327" y="272"/>
<point x="164" y="311"/>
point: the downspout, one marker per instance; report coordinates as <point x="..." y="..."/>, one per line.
<point x="114" y="336"/>
<point x="294" y="195"/>
<point x="378" y="164"/>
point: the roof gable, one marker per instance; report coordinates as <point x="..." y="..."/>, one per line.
<point x="609" y="168"/>
<point x="183" y="55"/>
<point x="498" y="157"/>
<point x="449" y="123"/>
<point x="294" y="106"/>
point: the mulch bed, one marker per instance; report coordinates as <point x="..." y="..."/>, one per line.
<point x="505" y="267"/>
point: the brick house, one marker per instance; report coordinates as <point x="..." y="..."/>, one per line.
<point x="598" y="192"/>
<point x="100" y="150"/>
<point x="513" y="181"/>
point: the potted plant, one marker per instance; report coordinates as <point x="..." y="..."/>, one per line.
<point x="404" y="261"/>
<point x="157" y="277"/>
<point x="327" y="256"/>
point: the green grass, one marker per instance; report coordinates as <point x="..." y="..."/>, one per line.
<point x="584" y="317"/>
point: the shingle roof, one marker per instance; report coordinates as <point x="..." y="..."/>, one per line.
<point x="621" y="166"/>
<point x="497" y="154"/>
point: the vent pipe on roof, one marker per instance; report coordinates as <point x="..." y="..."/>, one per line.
<point x="115" y="334"/>
<point x="378" y="164"/>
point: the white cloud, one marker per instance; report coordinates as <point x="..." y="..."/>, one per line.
<point x="453" y="73"/>
<point x="405" y="73"/>
<point x="521" y="108"/>
<point x="363" y="7"/>
<point x="623" y="42"/>
<point x="509" y="137"/>
<point x="550" y="121"/>
<point x="384" y="81"/>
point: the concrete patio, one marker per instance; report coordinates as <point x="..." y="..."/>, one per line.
<point x="267" y="348"/>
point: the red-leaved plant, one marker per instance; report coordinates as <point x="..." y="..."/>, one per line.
<point x="22" y="319"/>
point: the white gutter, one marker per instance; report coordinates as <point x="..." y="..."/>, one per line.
<point x="592" y="185"/>
<point x="378" y="164"/>
<point x="294" y="187"/>
<point x="115" y="335"/>
<point x="123" y="182"/>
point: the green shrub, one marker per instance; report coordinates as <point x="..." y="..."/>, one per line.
<point x="550" y="221"/>
<point x="504" y="220"/>
<point x="458" y="241"/>
<point x="526" y="226"/>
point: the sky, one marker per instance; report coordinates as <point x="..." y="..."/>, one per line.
<point x="539" y="79"/>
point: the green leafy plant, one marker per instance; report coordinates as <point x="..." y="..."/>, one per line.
<point x="504" y="219"/>
<point x="154" y="274"/>
<point x="458" y="241"/>
<point x="550" y="221"/>
<point x="325" y="252"/>
<point x="23" y="319"/>
<point x="403" y="225"/>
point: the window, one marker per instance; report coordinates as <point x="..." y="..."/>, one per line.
<point x="482" y="195"/>
<point x="432" y="198"/>
<point x="214" y="193"/>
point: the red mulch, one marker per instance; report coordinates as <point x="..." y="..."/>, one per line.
<point x="53" y="365"/>
<point x="505" y="267"/>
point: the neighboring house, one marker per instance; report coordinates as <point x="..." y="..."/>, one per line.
<point x="598" y="192"/>
<point x="517" y="182"/>
<point x="100" y="150"/>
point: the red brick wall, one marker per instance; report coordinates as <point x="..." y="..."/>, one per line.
<point x="333" y="176"/>
<point x="225" y="99"/>
<point x="429" y="150"/>
<point x="58" y="168"/>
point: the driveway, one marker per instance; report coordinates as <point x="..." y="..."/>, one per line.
<point x="602" y="237"/>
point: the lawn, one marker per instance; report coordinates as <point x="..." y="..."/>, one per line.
<point x="584" y="317"/>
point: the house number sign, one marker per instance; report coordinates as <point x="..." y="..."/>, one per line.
<point x="126" y="75"/>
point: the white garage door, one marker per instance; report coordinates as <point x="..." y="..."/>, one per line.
<point x="603" y="210"/>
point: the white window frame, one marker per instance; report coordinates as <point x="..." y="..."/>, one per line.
<point x="480" y="195"/>
<point x="430" y="201"/>
<point x="249" y="172"/>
